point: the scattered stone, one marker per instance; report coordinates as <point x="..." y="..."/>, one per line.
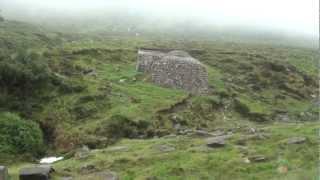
<point x="82" y="153"/>
<point x="246" y="160"/>
<point x="165" y="148"/>
<point x="88" y="168"/>
<point x="108" y="175"/>
<point x="283" y="117"/>
<point x="152" y="178"/>
<point x="202" y="133"/>
<point x="244" y="138"/>
<point x="122" y="80"/>
<point x="296" y="140"/>
<point x="66" y="169"/>
<point x="177" y="126"/>
<point x="90" y="72"/>
<point x="185" y="132"/>
<point x="243" y="149"/>
<point x="282" y="169"/>
<point x="202" y="149"/>
<point x="117" y="149"/>
<point x="252" y="130"/>
<point x="242" y="141"/>
<point x="218" y="133"/>
<point x="216" y="142"/>
<point x="41" y="172"/>
<point x="66" y="178"/>
<point x="4" y="173"/>
<point x="257" y="158"/>
<point x="170" y="136"/>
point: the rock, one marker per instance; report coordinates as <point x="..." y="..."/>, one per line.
<point x="202" y="133"/>
<point x="257" y="158"/>
<point x="108" y="175"/>
<point x="256" y="137"/>
<point x="4" y="173"/>
<point x="177" y="126"/>
<point x="82" y="153"/>
<point x="165" y="148"/>
<point x="66" y="178"/>
<point x="185" y="132"/>
<point x="41" y="172"/>
<point x="243" y="149"/>
<point x="88" y="168"/>
<point x="296" y="140"/>
<point x="90" y="72"/>
<point x="202" y="149"/>
<point x="218" y="133"/>
<point x="122" y="80"/>
<point x="170" y="136"/>
<point x="252" y="130"/>
<point x="117" y="149"/>
<point x="282" y="169"/>
<point x="216" y="142"/>
<point x="283" y="117"/>
<point x="246" y="160"/>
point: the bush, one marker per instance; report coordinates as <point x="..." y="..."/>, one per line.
<point x="23" y="79"/>
<point x="24" y="73"/>
<point x="119" y="126"/>
<point x="19" y="136"/>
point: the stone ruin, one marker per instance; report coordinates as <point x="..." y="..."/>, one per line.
<point x="174" y="69"/>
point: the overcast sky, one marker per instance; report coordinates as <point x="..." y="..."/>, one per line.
<point x="296" y="16"/>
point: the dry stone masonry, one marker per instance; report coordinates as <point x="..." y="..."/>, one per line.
<point x="174" y="69"/>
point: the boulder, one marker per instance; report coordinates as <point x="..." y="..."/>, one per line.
<point x="164" y="148"/>
<point x="296" y="140"/>
<point x="88" y="168"/>
<point x="82" y="153"/>
<point x="216" y="142"/>
<point x="66" y="178"/>
<point x="118" y="149"/>
<point x="257" y="158"/>
<point x="202" y="133"/>
<point x="4" y="173"/>
<point x="40" y="172"/>
<point x="108" y="175"/>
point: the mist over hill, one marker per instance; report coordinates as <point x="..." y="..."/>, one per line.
<point x="183" y="19"/>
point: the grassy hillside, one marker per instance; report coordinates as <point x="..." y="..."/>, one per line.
<point x="83" y="89"/>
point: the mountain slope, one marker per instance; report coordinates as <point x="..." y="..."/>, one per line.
<point x="93" y="96"/>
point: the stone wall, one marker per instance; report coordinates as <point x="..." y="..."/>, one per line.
<point x="174" y="69"/>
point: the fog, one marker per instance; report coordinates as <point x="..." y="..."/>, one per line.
<point x="298" y="17"/>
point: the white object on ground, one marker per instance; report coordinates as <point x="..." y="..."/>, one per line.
<point x="50" y="160"/>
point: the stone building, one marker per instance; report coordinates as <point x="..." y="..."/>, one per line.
<point x="174" y="69"/>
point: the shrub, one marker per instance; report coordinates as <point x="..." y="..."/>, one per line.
<point x="23" y="79"/>
<point x="18" y="135"/>
<point x="119" y="126"/>
<point x="24" y="73"/>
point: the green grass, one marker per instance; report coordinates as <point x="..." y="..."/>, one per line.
<point x="73" y="118"/>
<point x="192" y="160"/>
